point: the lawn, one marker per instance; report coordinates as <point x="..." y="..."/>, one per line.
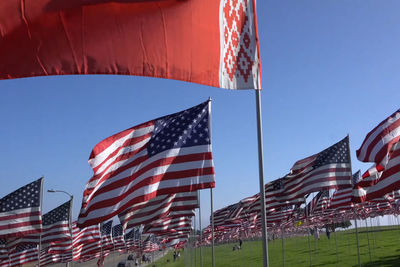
<point x="383" y="250"/>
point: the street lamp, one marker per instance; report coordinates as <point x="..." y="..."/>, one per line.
<point x="71" y="197"/>
<point x="60" y="191"/>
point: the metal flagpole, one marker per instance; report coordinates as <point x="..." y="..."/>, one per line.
<point x="41" y="211"/>
<point x="398" y="224"/>
<point x="70" y="221"/>
<point x="194" y="243"/>
<point x="358" y="244"/>
<point x="71" y="203"/>
<point x="283" y="247"/>
<point x="308" y="227"/>
<point x="261" y="178"/>
<point x="355" y="213"/>
<point x="373" y="235"/>
<point x="334" y="232"/>
<point x="212" y="229"/>
<point x="369" y="248"/>
<point x="201" y="230"/>
<point x="101" y="240"/>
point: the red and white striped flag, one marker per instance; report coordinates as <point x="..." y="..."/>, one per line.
<point x="161" y="206"/>
<point x="318" y="203"/>
<point x="4" y="260"/>
<point x="20" y="211"/>
<point x="55" y="228"/>
<point x="25" y="253"/>
<point x="341" y="199"/>
<point x="379" y="183"/>
<point x="63" y="249"/>
<point x="329" y="169"/>
<point x="86" y="241"/>
<point x="169" y="225"/>
<point x="378" y="143"/>
<point x="171" y="154"/>
<point x="118" y="238"/>
<point x="106" y="237"/>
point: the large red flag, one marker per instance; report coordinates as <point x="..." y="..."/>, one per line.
<point x="212" y="42"/>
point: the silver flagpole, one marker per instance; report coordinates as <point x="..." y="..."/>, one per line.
<point x="41" y="211"/>
<point x="201" y="231"/>
<point x="358" y="244"/>
<point x="283" y="247"/>
<point x="212" y="229"/>
<point x="355" y="213"/>
<point x="373" y="235"/>
<point x="101" y="240"/>
<point x="261" y="178"/>
<point x="309" y="231"/>
<point x="334" y="232"/>
<point x="194" y="243"/>
<point x="369" y="247"/>
<point x="70" y="221"/>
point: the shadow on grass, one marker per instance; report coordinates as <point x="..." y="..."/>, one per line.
<point x="386" y="261"/>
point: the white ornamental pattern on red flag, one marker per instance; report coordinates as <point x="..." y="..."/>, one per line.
<point x="239" y="62"/>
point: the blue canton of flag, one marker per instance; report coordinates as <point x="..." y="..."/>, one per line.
<point x="106" y="228"/>
<point x="356" y="177"/>
<point x="187" y="128"/>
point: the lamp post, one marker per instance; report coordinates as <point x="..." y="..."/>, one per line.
<point x="71" y="197"/>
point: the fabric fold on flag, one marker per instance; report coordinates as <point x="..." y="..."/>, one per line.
<point x="168" y="155"/>
<point x="378" y="143"/>
<point x="159" y="207"/>
<point x="211" y="42"/>
<point x="375" y="184"/>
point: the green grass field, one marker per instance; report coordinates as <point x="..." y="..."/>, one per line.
<point x="384" y="243"/>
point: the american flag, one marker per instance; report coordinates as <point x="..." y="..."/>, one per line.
<point x="132" y="240"/>
<point x="106" y="237"/>
<point x="55" y="228"/>
<point x="378" y="143"/>
<point x="168" y="155"/>
<point x="118" y="238"/>
<point x="20" y="211"/>
<point x="225" y="215"/>
<point x="329" y="169"/>
<point x="56" y="224"/>
<point x="3" y="253"/>
<point x="341" y="198"/>
<point x="279" y="215"/>
<point x="25" y="253"/>
<point x="63" y="249"/>
<point x="169" y="225"/>
<point x="161" y="206"/>
<point x="313" y="204"/>
<point x="275" y="197"/>
<point x="243" y="212"/>
<point x="86" y="241"/>
<point x="47" y="258"/>
<point x="379" y="183"/>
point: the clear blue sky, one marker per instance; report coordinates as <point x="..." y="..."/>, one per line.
<point x="330" y="68"/>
